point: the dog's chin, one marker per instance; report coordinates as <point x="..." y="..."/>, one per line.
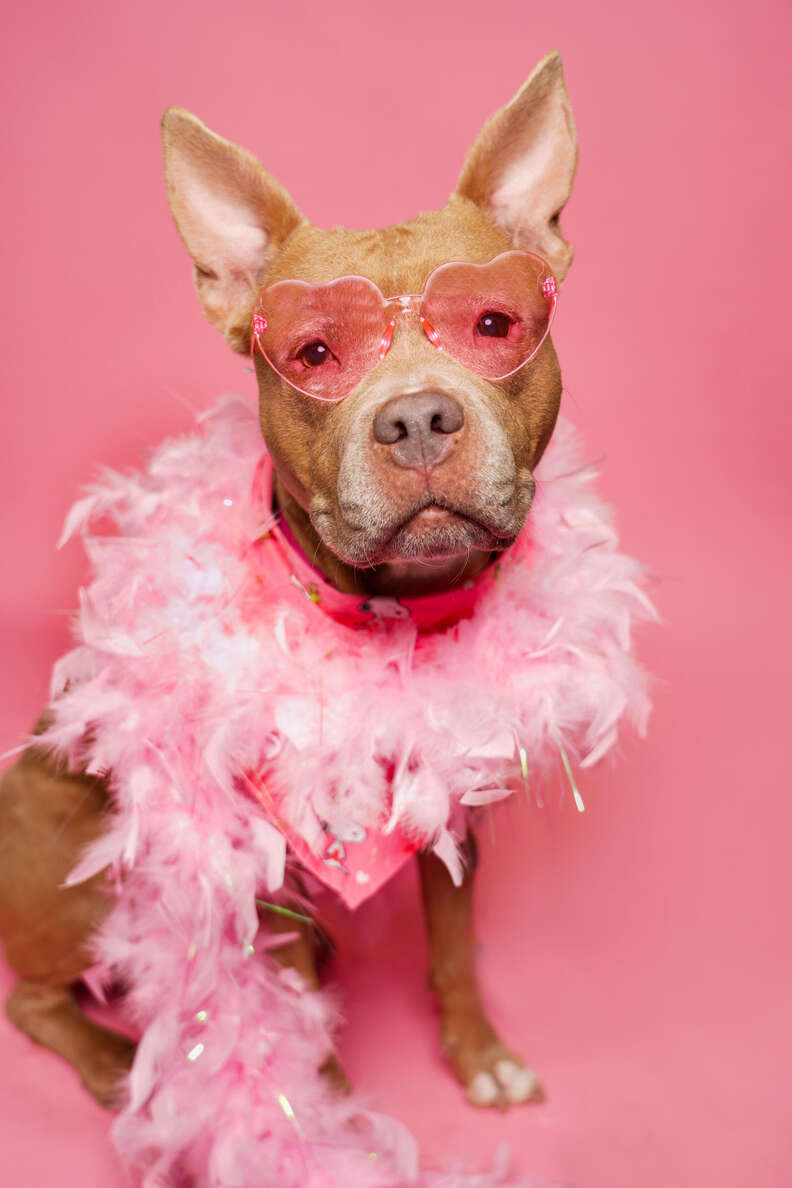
<point x="436" y="533"/>
<point x="430" y="533"/>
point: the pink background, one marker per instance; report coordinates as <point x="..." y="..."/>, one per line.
<point x="637" y="954"/>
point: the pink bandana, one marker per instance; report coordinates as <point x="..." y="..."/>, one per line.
<point x="358" y="863"/>
<point x="355" y="865"/>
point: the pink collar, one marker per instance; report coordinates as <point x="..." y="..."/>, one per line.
<point x="431" y="612"/>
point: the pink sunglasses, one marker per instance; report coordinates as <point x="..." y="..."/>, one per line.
<point x="324" y="339"/>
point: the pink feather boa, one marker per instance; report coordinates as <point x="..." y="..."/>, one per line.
<point x="196" y="665"/>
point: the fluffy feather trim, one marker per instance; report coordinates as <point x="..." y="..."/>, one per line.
<point x="199" y="670"/>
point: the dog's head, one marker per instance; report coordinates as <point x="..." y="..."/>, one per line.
<point x="424" y="461"/>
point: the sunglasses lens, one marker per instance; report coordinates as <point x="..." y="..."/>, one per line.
<point x="492" y="318"/>
<point x="322" y="339"/>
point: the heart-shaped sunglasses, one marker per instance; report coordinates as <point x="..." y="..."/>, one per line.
<point x="324" y="339"/>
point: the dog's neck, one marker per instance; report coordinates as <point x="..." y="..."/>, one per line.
<point x="396" y="579"/>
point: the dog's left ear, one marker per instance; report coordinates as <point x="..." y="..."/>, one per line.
<point x="521" y="168"/>
<point x="232" y="215"/>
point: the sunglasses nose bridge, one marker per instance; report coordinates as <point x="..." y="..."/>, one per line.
<point x="404" y="307"/>
<point x="401" y="310"/>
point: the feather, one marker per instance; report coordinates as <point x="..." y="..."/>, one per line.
<point x="198" y="662"/>
<point x="447" y="851"/>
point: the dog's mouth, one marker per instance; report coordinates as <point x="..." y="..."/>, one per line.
<point x="435" y="531"/>
<point x="432" y="528"/>
<point x="432" y="525"/>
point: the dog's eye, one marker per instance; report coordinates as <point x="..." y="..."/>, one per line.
<point x="493" y="325"/>
<point x="313" y="354"/>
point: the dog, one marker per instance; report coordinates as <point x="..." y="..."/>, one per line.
<point x="410" y="485"/>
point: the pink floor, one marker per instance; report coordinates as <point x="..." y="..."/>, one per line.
<point x="639" y="953"/>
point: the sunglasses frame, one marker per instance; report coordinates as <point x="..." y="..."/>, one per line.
<point x="408" y="305"/>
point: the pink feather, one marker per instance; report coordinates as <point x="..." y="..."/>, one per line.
<point x="200" y="668"/>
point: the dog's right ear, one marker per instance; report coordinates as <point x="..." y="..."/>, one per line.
<point x="521" y="168"/>
<point x="230" y="213"/>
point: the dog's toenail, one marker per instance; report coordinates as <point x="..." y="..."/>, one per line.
<point x="483" y="1089"/>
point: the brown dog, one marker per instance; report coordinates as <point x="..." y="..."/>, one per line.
<point x="408" y="486"/>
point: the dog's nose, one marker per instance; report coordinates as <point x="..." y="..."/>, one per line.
<point x="419" y="428"/>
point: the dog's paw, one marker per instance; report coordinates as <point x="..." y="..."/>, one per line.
<point x="506" y="1082"/>
<point x="491" y="1074"/>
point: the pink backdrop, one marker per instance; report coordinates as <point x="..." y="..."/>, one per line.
<point x="638" y="954"/>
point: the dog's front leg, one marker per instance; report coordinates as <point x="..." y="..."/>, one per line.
<point x="491" y="1073"/>
<point x="302" y="951"/>
<point x="306" y="950"/>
